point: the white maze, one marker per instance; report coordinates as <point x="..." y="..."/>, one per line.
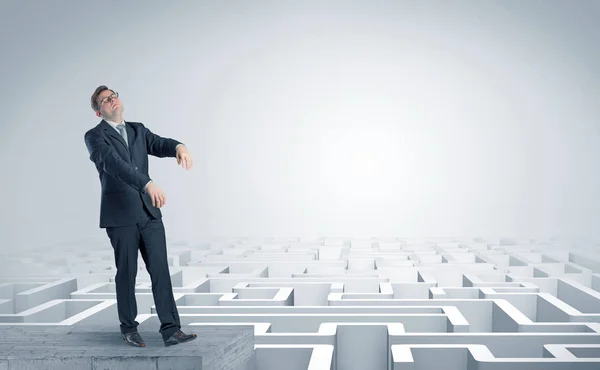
<point x="345" y="304"/>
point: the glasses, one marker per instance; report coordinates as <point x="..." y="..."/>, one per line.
<point x="109" y="98"/>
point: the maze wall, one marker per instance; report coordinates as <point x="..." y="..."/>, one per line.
<point x="343" y="303"/>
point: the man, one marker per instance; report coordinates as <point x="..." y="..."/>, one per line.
<point x="130" y="211"/>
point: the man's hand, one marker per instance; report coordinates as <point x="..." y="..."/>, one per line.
<point x="184" y="158"/>
<point x="156" y="194"/>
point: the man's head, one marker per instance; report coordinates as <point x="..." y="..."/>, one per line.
<point x="106" y="103"/>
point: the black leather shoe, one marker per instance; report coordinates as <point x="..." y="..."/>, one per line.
<point x="134" y="339"/>
<point x="179" y="337"/>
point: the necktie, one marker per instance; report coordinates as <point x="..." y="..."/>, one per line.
<point x="123" y="132"/>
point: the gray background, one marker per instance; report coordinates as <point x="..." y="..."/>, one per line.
<point x="308" y="118"/>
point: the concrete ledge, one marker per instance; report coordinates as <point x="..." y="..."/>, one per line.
<point x="87" y="347"/>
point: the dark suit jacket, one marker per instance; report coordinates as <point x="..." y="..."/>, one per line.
<point x="123" y="170"/>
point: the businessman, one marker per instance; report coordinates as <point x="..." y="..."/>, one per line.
<point x="130" y="211"/>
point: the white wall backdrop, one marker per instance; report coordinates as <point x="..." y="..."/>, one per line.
<point x="308" y="118"/>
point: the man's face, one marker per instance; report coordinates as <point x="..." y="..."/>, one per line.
<point x="110" y="104"/>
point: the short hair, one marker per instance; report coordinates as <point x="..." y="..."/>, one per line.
<point x="94" y="100"/>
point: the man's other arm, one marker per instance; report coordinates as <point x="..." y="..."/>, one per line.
<point x="160" y="146"/>
<point x="105" y="157"/>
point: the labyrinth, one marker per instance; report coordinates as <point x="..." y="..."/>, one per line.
<point x="319" y="304"/>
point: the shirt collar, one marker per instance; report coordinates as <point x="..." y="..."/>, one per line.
<point x="114" y="124"/>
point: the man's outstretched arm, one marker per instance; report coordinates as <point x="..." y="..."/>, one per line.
<point x="108" y="160"/>
<point x="160" y="146"/>
<point x="166" y="147"/>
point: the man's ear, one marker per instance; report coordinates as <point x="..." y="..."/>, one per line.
<point x="98" y="114"/>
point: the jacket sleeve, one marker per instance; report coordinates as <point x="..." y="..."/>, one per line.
<point x="105" y="158"/>
<point x="160" y="146"/>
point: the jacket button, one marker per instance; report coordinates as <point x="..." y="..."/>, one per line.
<point x="136" y="168"/>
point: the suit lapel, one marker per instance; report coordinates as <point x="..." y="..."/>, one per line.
<point x="130" y="134"/>
<point x="112" y="132"/>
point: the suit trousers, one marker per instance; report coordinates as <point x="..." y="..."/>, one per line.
<point x="147" y="235"/>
